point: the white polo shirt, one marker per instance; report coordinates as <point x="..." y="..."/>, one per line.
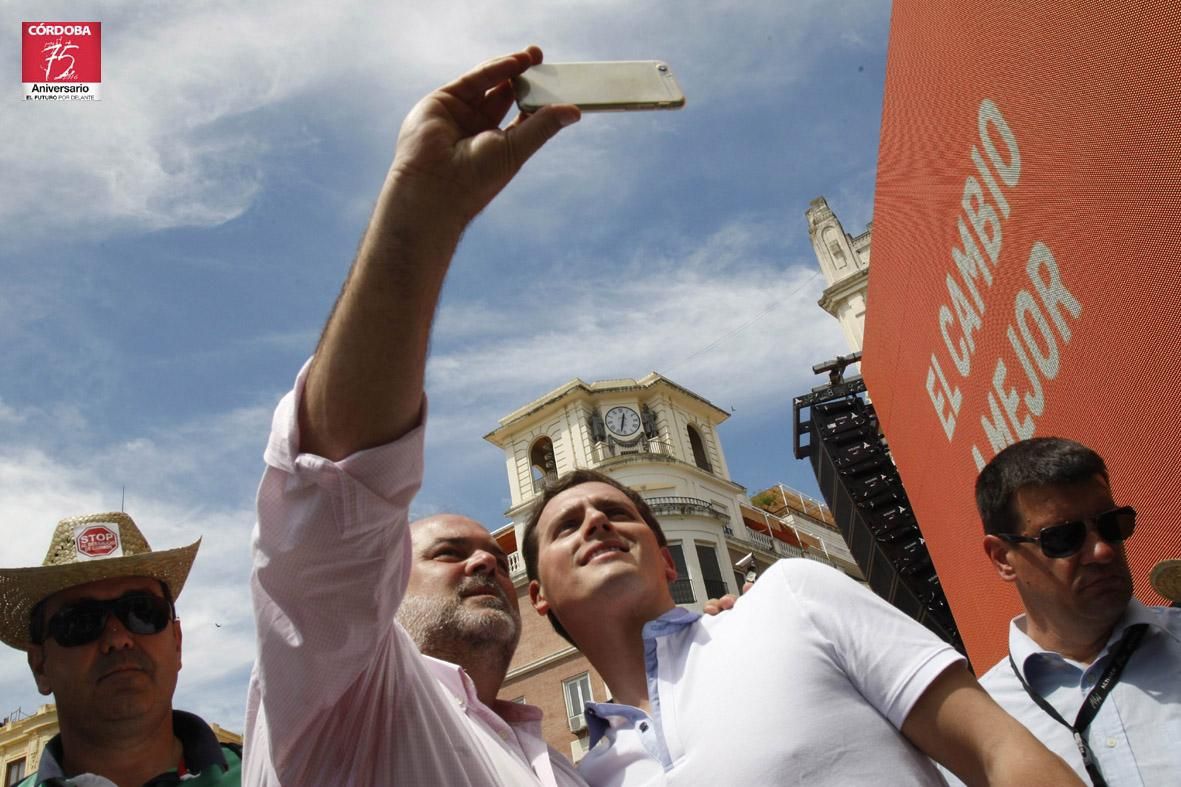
<point x="807" y="680"/>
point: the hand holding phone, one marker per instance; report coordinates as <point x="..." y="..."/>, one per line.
<point x="600" y="87"/>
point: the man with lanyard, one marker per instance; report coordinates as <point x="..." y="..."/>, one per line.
<point x="99" y="626"/>
<point x="341" y="693"/>
<point x="1092" y="672"/>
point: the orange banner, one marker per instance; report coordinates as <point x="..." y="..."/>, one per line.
<point x="1027" y="218"/>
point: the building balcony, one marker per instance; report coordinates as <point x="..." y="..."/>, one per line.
<point x="641" y="446"/>
<point x="761" y="540"/>
<point x="686" y="506"/>
<point x="784" y="549"/>
<point x="516" y="565"/>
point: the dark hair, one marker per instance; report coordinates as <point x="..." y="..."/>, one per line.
<point x="555" y="487"/>
<point x="38" y="624"/>
<point x="1038" y="461"/>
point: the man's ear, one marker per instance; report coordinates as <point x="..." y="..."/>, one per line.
<point x="670" y="566"/>
<point x="998" y="551"/>
<point x="537" y="598"/>
<point x="36" y="657"/>
<point x="177" y="634"/>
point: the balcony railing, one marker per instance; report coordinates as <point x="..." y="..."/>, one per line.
<point x="539" y="483"/>
<point x="611" y="449"/>
<point x="787" y="550"/>
<point x="761" y="540"/>
<point x="686" y="506"/>
<point x="516" y="565"/>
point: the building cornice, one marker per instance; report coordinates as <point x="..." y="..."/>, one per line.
<point x="541" y="663"/>
<point x="578" y="390"/>
<point x="839" y="291"/>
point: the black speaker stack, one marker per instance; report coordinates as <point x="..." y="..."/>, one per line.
<point x="836" y="428"/>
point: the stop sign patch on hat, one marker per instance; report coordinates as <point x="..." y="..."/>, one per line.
<point x="97" y="540"/>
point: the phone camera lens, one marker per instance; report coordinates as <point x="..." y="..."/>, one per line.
<point x="662" y="67"/>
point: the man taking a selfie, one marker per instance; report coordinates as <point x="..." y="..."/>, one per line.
<point x="341" y="693"/>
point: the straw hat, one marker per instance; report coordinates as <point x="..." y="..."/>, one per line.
<point x="86" y="549"/>
<point x="1166" y="578"/>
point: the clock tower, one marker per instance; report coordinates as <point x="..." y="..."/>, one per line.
<point x="844" y="261"/>
<point x="650" y="434"/>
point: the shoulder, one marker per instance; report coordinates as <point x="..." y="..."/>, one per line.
<point x="999" y="675"/>
<point x="802" y="575"/>
<point x="1168" y="618"/>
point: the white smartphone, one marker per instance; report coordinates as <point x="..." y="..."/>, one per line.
<point x="600" y="87"/>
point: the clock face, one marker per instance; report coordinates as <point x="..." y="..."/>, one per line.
<point x="623" y="421"/>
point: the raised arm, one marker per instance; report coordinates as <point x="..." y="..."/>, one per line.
<point x="959" y="726"/>
<point x="332" y="547"/>
<point x="365" y="384"/>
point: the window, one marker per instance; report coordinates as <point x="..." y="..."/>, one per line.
<point x="711" y="574"/>
<point x="14" y="772"/>
<point x="542" y="463"/>
<point x="682" y="588"/>
<point x="578" y="694"/>
<point x="699" y="457"/>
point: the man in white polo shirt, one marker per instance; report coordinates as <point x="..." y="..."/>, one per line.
<point x="809" y="679"/>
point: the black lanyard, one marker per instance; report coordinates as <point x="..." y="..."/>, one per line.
<point x="1086" y="714"/>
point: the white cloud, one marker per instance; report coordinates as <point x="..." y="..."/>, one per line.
<point x="724" y="319"/>
<point x="183" y="128"/>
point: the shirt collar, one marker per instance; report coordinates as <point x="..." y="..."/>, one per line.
<point x="670" y="622"/>
<point x="201" y="748"/>
<point x="461" y="686"/>
<point x="1023" y="648"/>
<point x="601" y="715"/>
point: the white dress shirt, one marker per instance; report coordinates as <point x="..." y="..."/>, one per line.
<point x="1136" y="735"/>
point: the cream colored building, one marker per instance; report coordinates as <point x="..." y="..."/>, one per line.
<point x="661" y="440"/>
<point x="23" y="736"/>
<point x="844" y="261"/>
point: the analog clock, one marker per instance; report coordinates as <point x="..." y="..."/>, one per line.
<point x="623" y="421"/>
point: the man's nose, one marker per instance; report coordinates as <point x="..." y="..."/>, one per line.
<point x="481" y="562"/>
<point x="594" y="519"/>
<point x="1097" y="549"/>
<point x="115" y="635"/>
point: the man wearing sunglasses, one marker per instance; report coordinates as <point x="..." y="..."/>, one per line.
<point x="1092" y="672"/>
<point x="98" y="624"/>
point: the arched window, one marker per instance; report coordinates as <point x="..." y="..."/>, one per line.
<point x="699" y="456"/>
<point x="542" y="463"/>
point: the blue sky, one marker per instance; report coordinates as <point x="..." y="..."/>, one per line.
<point x="171" y="252"/>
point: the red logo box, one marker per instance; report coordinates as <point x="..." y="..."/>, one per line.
<point x="61" y="60"/>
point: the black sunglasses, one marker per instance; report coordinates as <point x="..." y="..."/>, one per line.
<point x="1068" y="538"/>
<point x="82" y="622"/>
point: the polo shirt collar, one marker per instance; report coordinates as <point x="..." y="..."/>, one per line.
<point x="200" y="745"/>
<point x="598" y="715"/>
<point x="670" y="622"/>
